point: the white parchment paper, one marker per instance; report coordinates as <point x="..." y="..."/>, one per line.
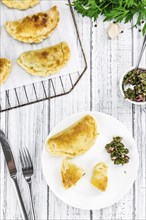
<point x="11" y="48"/>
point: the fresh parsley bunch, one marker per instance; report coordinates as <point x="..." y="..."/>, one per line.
<point x="116" y="10"/>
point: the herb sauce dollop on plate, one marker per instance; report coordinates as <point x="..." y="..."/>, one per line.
<point x="117" y="151"/>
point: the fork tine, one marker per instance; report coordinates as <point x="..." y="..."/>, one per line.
<point x="28" y="157"/>
<point x="21" y="158"/>
<point x="24" y="158"/>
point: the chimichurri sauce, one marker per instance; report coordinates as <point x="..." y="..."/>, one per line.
<point x="136" y="81"/>
<point x="117" y="151"/>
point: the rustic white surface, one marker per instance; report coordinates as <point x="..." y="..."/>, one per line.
<point x="98" y="90"/>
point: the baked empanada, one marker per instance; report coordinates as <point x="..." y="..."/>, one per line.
<point x="74" y="140"/>
<point x="70" y="173"/>
<point x="20" y="4"/>
<point x="34" y="28"/>
<point x="99" y="177"/>
<point x="45" y="61"/>
<point x="5" y="68"/>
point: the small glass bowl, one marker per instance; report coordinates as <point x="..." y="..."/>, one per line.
<point x="120" y="84"/>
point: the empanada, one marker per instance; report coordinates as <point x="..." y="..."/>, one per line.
<point x="45" y="61"/>
<point x="99" y="177"/>
<point x="20" y="4"/>
<point x="70" y="173"/>
<point x="34" y="28"/>
<point x="74" y="140"/>
<point x="5" y="68"/>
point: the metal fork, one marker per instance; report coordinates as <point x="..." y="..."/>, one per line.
<point x="27" y="169"/>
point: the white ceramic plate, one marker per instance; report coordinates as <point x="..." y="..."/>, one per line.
<point x="121" y="178"/>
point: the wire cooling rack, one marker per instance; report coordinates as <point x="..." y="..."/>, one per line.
<point x="47" y="89"/>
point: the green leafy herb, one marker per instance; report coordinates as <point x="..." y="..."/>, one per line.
<point x="117" y="151"/>
<point x="116" y="10"/>
<point x="136" y="81"/>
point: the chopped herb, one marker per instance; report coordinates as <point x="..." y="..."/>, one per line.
<point x="136" y="81"/>
<point x="114" y="10"/>
<point x="117" y="151"/>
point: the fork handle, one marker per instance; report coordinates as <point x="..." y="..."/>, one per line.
<point x="19" y="198"/>
<point x="32" y="208"/>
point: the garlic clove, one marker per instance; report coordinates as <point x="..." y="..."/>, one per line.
<point x="113" y="30"/>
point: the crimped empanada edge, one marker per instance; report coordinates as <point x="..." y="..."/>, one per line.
<point x="38" y="39"/>
<point x="49" y="72"/>
<point x="62" y="153"/>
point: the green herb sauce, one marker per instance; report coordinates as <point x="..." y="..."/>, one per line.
<point x="137" y="80"/>
<point x="117" y="151"/>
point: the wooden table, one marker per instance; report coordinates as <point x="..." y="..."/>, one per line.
<point x="98" y="90"/>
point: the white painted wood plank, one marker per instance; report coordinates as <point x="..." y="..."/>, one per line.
<point x="25" y="127"/>
<point x="110" y="58"/>
<point x="139" y="132"/>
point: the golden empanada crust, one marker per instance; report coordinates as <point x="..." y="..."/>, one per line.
<point x="5" y="68"/>
<point x="99" y="177"/>
<point x="74" y="140"/>
<point x="20" y="4"/>
<point x="34" y="28"/>
<point x="70" y="173"/>
<point x="45" y="61"/>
